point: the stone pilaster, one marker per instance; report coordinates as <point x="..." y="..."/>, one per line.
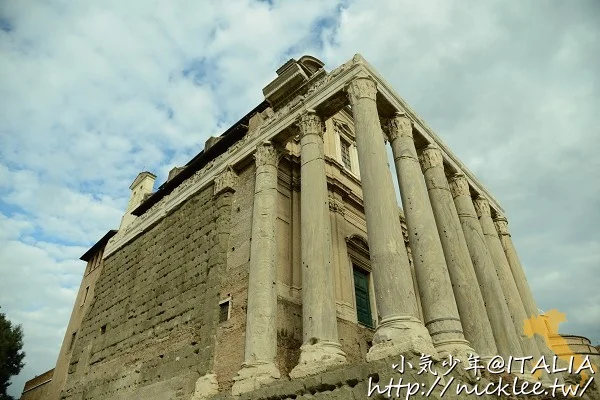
<point x="505" y="335"/>
<point x="224" y="189"/>
<point x="400" y="331"/>
<point x="473" y="316"/>
<point x="259" y="366"/>
<point x="321" y="348"/>
<point x="435" y="288"/>
<point x="507" y="282"/>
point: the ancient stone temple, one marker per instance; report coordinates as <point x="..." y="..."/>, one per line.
<point x="278" y="262"/>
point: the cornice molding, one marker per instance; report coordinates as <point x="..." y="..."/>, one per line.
<point x="319" y="91"/>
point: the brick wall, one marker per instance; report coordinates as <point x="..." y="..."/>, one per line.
<point x="150" y="332"/>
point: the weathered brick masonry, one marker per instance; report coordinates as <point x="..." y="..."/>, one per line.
<point x="151" y="327"/>
<point x="166" y="298"/>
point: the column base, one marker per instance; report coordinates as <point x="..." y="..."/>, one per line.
<point x="401" y="335"/>
<point x="253" y="376"/>
<point x="458" y="348"/>
<point x="318" y="357"/>
<point x="206" y="386"/>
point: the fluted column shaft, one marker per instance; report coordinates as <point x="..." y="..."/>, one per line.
<point x="319" y="322"/>
<point x="261" y="331"/>
<point x="505" y="335"/>
<point x="437" y="298"/>
<point x="473" y="316"/>
<point x="400" y="331"/>
<point x="509" y="288"/>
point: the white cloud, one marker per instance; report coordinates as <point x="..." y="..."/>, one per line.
<point x="99" y="91"/>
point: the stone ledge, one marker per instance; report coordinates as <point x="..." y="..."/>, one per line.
<point x="351" y="381"/>
<point x="348" y="381"/>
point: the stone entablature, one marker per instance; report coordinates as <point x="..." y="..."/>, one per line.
<point x="323" y="90"/>
<point x="237" y="234"/>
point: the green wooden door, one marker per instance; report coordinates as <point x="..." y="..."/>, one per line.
<point x="361" y="290"/>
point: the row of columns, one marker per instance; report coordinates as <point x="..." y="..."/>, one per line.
<point x="473" y="291"/>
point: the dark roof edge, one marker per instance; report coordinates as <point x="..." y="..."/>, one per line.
<point x="228" y="138"/>
<point x="99" y="244"/>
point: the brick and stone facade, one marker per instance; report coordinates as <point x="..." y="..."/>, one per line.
<point x="238" y="276"/>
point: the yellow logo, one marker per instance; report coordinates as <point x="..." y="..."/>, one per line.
<point x="547" y="327"/>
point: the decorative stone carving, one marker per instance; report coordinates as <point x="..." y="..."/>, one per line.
<point x="337" y="206"/>
<point x="329" y="77"/>
<point x="295" y="184"/>
<point x="362" y="87"/>
<point x="398" y="126"/>
<point x="266" y="154"/>
<point x="431" y="157"/>
<point x="482" y="206"/>
<point x="225" y="181"/>
<point x="501" y="224"/>
<point x="459" y="186"/>
<point x="310" y="123"/>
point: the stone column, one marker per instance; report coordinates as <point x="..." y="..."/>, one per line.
<point x="400" y="331"/>
<point x="437" y="299"/>
<point x="259" y="366"/>
<point x="505" y="334"/>
<point x="509" y="288"/>
<point x="319" y="322"/>
<point x="520" y="280"/>
<point x="515" y="266"/>
<point x="469" y="300"/>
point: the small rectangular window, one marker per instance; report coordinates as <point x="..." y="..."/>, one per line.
<point x="345" y="146"/>
<point x="73" y="336"/>
<point x="87" y="289"/>
<point x="224" y="310"/>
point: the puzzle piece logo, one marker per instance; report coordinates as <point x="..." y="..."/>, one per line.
<point x="547" y="327"/>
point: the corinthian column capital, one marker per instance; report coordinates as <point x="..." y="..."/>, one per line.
<point x="459" y="186"/>
<point x="482" y="206"/>
<point x="501" y="225"/>
<point x="431" y="157"/>
<point x="362" y="87"/>
<point x="399" y="125"/>
<point x="266" y="154"/>
<point x="310" y="123"/>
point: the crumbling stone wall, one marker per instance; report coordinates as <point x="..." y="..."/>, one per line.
<point x="150" y="332"/>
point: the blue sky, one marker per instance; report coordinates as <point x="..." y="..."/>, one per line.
<point x="94" y="92"/>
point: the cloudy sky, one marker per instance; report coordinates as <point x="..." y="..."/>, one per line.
<point x="94" y="92"/>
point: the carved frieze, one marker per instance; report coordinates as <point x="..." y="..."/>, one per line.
<point x="226" y="181"/>
<point x="337" y="206"/>
<point x="330" y="76"/>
